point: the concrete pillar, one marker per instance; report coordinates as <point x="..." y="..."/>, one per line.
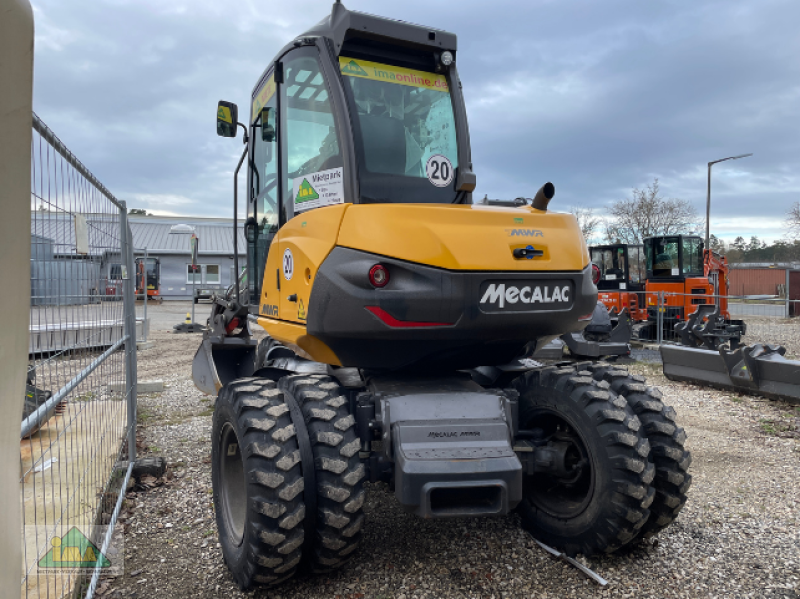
<point x="16" y="94"/>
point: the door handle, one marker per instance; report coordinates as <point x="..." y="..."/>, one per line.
<point x="292" y="298"/>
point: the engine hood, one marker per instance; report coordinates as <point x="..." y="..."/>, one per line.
<point x="467" y="237"/>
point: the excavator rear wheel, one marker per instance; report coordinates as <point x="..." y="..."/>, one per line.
<point x="268" y="441"/>
<point x="667" y="439"/>
<point x="603" y="506"/>
<point x="257" y="480"/>
<point x="333" y="524"/>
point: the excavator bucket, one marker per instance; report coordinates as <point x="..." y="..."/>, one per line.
<point x="757" y="369"/>
<point x="220" y="360"/>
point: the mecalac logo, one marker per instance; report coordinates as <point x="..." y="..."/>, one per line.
<point x="524" y="233"/>
<point x="525" y="297"/>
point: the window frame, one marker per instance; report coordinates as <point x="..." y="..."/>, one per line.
<point x="286" y="194"/>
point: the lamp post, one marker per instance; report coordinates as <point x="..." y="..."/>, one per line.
<point x="708" y="195"/>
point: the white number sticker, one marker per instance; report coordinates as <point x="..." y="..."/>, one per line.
<point x="288" y="264"/>
<point x="439" y="170"/>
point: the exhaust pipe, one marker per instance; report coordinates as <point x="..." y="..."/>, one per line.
<point x="543" y="196"/>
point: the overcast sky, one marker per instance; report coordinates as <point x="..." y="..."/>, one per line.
<point x="597" y="97"/>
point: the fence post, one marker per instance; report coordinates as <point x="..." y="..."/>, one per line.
<point x="16" y="75"/>
<point x="129" y="312"/>
<point x="660" y="318"/>
<point x="787" y="313"/>
<point x="144" y="322"/>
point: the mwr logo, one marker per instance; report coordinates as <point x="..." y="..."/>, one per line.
<point x="524" y="233"/>
<point x="501" y="294"/>
<point x="268" y="310"/>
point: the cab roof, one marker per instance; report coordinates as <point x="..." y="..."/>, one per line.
<point x="343" y="24"/>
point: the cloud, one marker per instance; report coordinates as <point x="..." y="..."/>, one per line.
<point x="596" y="97"/>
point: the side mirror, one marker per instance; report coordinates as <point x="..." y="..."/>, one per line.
<point x="227" y="118"/>
<point x="268" y="124"/>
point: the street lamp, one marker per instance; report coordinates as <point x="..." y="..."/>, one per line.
<point x="708" y="196"/>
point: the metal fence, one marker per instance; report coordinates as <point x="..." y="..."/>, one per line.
<point x="78" y="428"/>
<point x="768" y="320"/>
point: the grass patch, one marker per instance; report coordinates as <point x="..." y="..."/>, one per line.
<point x="144" y="415"/>
<point x="768" y="426"/>
<point x="208" y="412"/>
<point x="776" y="427"/>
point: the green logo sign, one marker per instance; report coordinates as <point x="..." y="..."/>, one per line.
<point x="73" y="550"/>
<point x="306" y="192"/>
<point x="517" y="220"/>
<point x="352" y="68"/>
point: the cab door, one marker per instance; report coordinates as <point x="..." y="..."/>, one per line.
<point x="312" y="175"/>
<point x="263" y="214"/>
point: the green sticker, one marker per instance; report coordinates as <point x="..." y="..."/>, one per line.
<point x="352" y="68"/>
<point x="306" y="192"/>
<point x="518" y="219"/>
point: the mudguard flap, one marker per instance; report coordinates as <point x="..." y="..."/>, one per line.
<point x="221" y="360"/>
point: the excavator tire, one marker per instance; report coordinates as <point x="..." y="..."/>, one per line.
<point x="257" y="479"/>
<point x="603" y="508"/>
<point x="333" y="530"/>
<point x="667" y="439"/>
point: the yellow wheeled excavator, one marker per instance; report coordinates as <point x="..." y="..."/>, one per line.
<point x="400" y="319"/>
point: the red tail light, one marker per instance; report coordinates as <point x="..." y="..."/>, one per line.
<point x="378" y="275"/>
<point x="390" y="320"/>
<point x="595" y="274"/>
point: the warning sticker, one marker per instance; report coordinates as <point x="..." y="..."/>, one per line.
<point x="383" y="72"/>
<point x="301" y="311"/>
<point x="316" y="190"/>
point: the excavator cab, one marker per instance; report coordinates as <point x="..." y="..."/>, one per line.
<point x="674" y="257"/>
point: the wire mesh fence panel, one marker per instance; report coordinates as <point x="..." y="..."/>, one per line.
<point x="80" y="398"/>
<point x="766" y="320"/>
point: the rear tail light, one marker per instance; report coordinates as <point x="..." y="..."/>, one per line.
<point x="378" y="275"/>
<point x="393" y="322"/>
<point x="595" y="274"/>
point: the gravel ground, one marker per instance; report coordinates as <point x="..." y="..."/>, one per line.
<point x="737" y="537"/>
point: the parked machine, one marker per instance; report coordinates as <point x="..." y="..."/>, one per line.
<point x="620" y="274"/>
<point x="400" y="317"/>
<point x="632" y="276"/>
<point x="148" y="277"/>
<point x="689" y="276"/>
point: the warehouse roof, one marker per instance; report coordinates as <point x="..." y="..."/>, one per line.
<point x="170" y="235"/>
<point x="158" y="234"/>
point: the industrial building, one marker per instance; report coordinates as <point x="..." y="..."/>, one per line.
<point x="58" y="260"/>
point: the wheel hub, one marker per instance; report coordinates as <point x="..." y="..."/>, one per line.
<point x="558" y="475"/>
<point x="233" y="487"/>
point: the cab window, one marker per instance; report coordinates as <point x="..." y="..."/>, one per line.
<point x="692" y="256"/>
<point x="662" y="257"/>
<point x="312" y="163"/>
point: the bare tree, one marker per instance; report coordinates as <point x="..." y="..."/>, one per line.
<point x="587" y="221"/>
<point x="793" y="221"/>
<point x="646" y="214"/>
